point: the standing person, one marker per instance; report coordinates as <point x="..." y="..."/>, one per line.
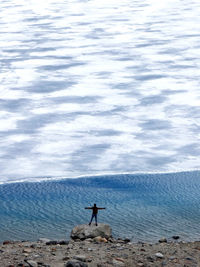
<point x="94" y="212"/>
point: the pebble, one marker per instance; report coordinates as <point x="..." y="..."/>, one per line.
<point x="162" y="240"/>
<point x="44" y="240"/>
<point x="159" y="255"/>
<point x="52" y="242"/>
<point x="116" y="263"/>
<point x="27" y="250"/>
<point x="32" y="263"/>
<point x="189" y="258"/>
<point x="127" y="240"/>
<point x="76" y="264"/>
<point x="80" y="257"/>
<point x="7" y="242"/>
<point x="149" y="258"/>
<point x="63" y="242"/>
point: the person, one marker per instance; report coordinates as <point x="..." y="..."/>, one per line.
<point x="94" y="212"/>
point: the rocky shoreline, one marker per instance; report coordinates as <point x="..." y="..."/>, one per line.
<point x="98" y="251"/>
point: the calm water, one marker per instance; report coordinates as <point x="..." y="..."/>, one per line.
<point x="142" y="207"/>
<point x="92" y="87"/>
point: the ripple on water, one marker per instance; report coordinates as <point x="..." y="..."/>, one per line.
<point x="143" y="207"/>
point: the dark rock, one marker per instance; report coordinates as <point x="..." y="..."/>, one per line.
<point x="52" y="242"/>
<point x="176" y="237"/>
<point x="63" y="242"/>
<point x="85" y="231"/>
<point x="149" y="258"/>
<point x="127" y="240"/>
<point x="66" y="258"/>
<point x="33" y="246"/>
<point x="189" y="258"/>
<point x="76" y="264"/>
<point x="7" y="242"/>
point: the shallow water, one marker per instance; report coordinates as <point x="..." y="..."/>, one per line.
<point x="91" y="87"/>
<point x="143" y="207"/>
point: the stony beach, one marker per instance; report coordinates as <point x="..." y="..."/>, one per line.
<point x="99" y="251"/>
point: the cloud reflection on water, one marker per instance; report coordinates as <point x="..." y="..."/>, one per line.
<point x="90" y="87"/>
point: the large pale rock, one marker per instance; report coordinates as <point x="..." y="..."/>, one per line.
<point x="85" y="231"/>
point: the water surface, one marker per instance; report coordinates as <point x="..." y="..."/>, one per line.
<point x="143" y="207"/>
<point x="91" y="87"/>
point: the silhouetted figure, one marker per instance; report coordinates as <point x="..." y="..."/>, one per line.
<point x="94" y="212"/>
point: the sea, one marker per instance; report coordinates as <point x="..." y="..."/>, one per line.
<point x="99" y="103"/>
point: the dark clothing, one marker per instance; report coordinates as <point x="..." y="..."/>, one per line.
<point x="94" y="212"/>
<point x="93" y="216"/>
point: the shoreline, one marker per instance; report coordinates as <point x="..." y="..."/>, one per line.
<point x="94" y="252"/>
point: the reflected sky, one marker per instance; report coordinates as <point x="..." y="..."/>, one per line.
<point x="90" y="87"/>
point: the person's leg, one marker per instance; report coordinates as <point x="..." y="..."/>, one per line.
<point x="91" y="219"/>
<point x="96" y="219"/>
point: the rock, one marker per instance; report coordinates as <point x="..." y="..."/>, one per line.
<point x="80" y="257"/>
<point x="7" y="242"/>
<point x="76" y="264"/>
<point x="63" y="242"/>
<point x="117" y="262"/>
<point x="44" y="240"/>
<point x="100" y="239"/>
<point x="119" y="259"/>
<point x="51" y="242"/>
<point x="127" y="240"/>
<point x="85" y="231"/>
<point x="97" y="239"/>
<point x="27" y="250"/>
<point x="175" y="237"/>
<point x="32" y="263"/>
<point x="149" y="258"/>
<point x="40" y="263"/>
<point x="189" y="258"/>
<point x="162" y="240"/>
<point x="159" y="255"/>
<point x="66" y="258"/>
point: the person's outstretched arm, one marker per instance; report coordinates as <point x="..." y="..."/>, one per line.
<point x="88" y="208"/>
<point x="101" y="208"/>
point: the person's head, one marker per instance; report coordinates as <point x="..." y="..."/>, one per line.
<point x="95" y="205"/>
